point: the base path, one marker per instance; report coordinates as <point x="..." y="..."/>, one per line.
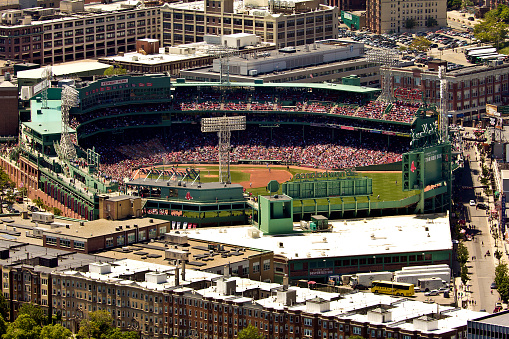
<point x="260" y="177"/>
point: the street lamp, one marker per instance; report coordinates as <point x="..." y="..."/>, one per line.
<point x="78" y="316"/>
<point x="135" y="326"/>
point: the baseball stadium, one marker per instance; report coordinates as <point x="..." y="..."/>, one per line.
<point x="300" y="150"/>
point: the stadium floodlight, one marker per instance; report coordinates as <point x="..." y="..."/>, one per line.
<point x="223" y="126"/>
<point x="69" y="99"/>
<point x="387" y="59"/>
<point x="46" y="75"/>
<point x="223" y="54"/>
<point x="443" y="119"/>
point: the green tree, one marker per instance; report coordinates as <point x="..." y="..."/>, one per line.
<point x="14" y="155"/>
<point x="491" y="30"/>
<point x="99" y="323"/>
<point x="3" y="326"/>
<point x="38" y="202"/>
<point x="5" y="183"/>
<point x="430" y="22"/>
<point x="57" y="211"/>
<point x="462" y="253"/>
<point x="4" y="307"/>
<point x="24" y="327"/>
<point x="464" y="274"/>
<point x="410" y="23"/>
<point x="116" y="333"/>
<point x="88" y="329"/>
<point x="356" y="337"/>
<point x="55" y="332"/>
<point x="454" y="4"/>
<point x="501" y="12"/>
<point x="498" y="255"/>
<point x="34" y="312"/>
<point x="10" y="197"/>
<point x="115" y="70"/>
<point x="250" y="332"/>
<point x="421" y="44"/>
<point x="501" y="276"/>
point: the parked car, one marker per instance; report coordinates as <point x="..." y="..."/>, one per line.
<point x="493" y="285"/>
<point x="472" y="202"/>
<point x="432" y="292"/>
<point x="482" y="206"/>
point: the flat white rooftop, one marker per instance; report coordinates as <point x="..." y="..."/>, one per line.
<point x="375" y="236"/>
<point x="128" y="266"/>
<point x="65" y="69"/>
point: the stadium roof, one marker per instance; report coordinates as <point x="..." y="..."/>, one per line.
<point x="60" y="70"/>
<point x="331" y="86"/>
<point x="375" y="236"/>
<point x="49" y="127"/>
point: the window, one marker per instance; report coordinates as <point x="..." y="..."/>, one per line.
<point x="142" y="235"/>
<point x="51" y="240"/>
<point x="356" y="330"/>
<point x="109" y="242"/>
<point x="65" y="243"/>
<point x="266" y="264"/>
<point x="256" y="267"/>
<point x="120" y="240"/>
<point x="79" y="245"/>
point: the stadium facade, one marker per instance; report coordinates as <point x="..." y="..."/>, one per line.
<point x="123" y="107"/>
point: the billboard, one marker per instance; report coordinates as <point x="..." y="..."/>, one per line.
<point x="492" y="110"/>
<point x="328" y="188"/>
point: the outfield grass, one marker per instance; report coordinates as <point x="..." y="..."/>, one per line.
<point x="387" y="185"/>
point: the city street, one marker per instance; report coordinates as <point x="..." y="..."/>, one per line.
<point x="482" y="268"/>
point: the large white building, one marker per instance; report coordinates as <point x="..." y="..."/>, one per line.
<point x="285" y="23"/>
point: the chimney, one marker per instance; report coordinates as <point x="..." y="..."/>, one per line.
<point x="177" y="281"/>
<point x="285" y="282"/>
<point x="183" y="270"/>
<point x="226" y="271"/>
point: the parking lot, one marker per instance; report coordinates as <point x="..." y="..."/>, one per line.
<point x="447" y="43"/>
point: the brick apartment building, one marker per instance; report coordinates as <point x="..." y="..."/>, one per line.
<point x="470" y="88"/>
<point x="103" y="30"/>
<point x="168" y="301"/>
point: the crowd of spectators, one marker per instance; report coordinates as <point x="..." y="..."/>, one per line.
<point x="315" y="149"/>
<point x="342" y="104"/>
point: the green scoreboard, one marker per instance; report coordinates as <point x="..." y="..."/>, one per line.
<point x="428" y="166"/>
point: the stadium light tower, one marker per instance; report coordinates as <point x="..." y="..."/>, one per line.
<point x="69" y="99"/>
<point x="223" y="54"/>
<point x="46" y="75"/>
<point x="444" y="120"/>
<point x="223" y="126"/>
<point x="387" y="59"/>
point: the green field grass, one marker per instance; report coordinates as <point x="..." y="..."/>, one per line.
<point x="387" y="185"/>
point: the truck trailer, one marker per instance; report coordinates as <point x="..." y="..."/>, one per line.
<point x="43" y="217"/>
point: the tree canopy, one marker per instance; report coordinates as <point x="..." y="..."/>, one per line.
<point x="100" y="326"/>
<point x="34" y="312"/>
<point x="56" y="331"/>
<point x="24" y="327"/>
<point x="493" y="28"/>
<point x="421" y="44"/>
<point x="250" y="332"/>
<point x="115" y="70"/>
